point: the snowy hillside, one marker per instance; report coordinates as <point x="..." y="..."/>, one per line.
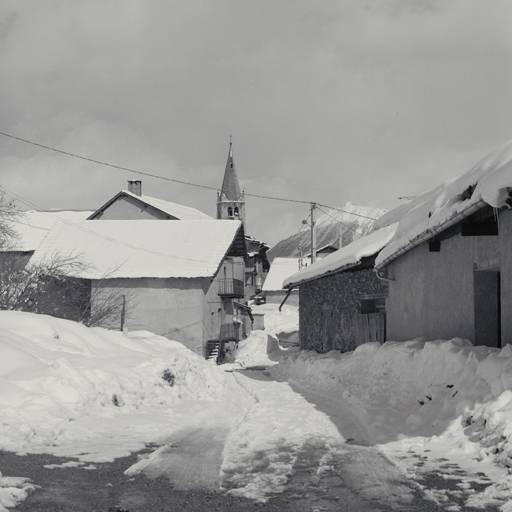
<point x="351" y="220"/>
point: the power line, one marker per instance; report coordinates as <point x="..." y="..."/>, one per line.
<point x="127" y="169"/>
<point x="99" y="162"/>
<point x="342" y="223"/>
<point x="93" y="233"/>
<point x="293" y="237"/>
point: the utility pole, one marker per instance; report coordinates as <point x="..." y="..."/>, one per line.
<point x="313" y="233"/>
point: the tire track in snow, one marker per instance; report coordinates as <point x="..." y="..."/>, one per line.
<point x="192" y="458"/>
<point x="261" y="452"/>
<point x="359" y="470"/>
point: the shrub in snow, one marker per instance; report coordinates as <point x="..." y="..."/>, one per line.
<point x="117" y="401"/>
<point x="169" y="377"/>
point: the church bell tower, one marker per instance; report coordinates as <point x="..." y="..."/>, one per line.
<point x="230" y="201"/>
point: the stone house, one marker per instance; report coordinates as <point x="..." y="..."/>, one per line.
<point x="341" y="299"/>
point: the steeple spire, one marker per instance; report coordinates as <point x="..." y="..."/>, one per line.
<point x="230" y="187"/>
<point x="230" y="201"/>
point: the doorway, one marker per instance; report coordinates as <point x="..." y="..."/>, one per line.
<point x="487" y="300"/>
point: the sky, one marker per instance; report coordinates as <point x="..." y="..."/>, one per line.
<point x="331" y="101"/>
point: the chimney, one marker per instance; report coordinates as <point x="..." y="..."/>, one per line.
<point x="135" y="187"/>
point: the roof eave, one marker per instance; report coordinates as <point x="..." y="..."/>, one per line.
<point x="348" y="266"/>
<point x="432" y="232"/>
<point x="123" y="193"/>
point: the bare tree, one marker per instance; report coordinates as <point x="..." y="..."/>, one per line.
<point x="51" y="287"/>
<point x="9" y="214"/>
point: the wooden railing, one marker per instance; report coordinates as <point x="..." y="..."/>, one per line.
<point x="229" y="332"/>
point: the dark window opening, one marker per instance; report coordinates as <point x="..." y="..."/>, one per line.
<point x="377" y="305"/>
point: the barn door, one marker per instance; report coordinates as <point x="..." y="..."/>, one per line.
<point x="327" y="327"/>
<point x="369" y="327"/>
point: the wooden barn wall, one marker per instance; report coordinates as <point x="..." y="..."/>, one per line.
<point x="342" y="291"/>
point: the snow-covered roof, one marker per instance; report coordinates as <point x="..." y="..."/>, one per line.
<point x="347" y="257"/>
<point x="32" y="226"/>
<point x="142" y="248"/>
<point x="175" y="210"/>
<point x="489" y="182"/>
<point x="280" y="269"/>
<point x="254" y="246"/>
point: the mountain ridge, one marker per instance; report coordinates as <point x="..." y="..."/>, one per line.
<point x="350" y="221"/>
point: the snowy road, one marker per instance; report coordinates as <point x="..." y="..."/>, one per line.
<point x="267" y="437"/>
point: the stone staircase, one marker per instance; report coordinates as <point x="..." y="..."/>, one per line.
<point x="212" y="351"/>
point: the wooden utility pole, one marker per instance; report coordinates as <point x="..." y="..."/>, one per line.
<point x="313" y="233"/>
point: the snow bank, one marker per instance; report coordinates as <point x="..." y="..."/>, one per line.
<point x="259" y="349"/>
<point x="434" y="389"/>
<point x="13" y="490"/>
<point x="277" y="322"/>
<point x="55" y="373"/>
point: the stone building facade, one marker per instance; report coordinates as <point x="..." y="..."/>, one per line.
<point x="329" y="306"/>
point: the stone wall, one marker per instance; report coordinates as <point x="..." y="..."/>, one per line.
<point x="342" y="293"/>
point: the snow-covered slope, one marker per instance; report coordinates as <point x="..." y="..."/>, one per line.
<point x="351" y="220"/>
<point x="54" y="372"/>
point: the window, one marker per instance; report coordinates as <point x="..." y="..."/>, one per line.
<point x="230" y="212"/>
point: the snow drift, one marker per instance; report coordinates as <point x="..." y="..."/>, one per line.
<point x="421" y="389"/>
<point x="53" y="372"/>
<point x="73" y="391"/>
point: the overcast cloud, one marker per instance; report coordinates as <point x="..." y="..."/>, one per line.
<point x="327" y="101"/>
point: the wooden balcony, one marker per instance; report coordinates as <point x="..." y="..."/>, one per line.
<point x="229" y="332"/>
<point x="231" y="288"/>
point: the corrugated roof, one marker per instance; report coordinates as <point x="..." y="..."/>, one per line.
<point x="32" y="226"/>
<point x="142" y="248"/>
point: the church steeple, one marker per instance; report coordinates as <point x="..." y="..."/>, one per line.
<point x="230" y="201"/>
